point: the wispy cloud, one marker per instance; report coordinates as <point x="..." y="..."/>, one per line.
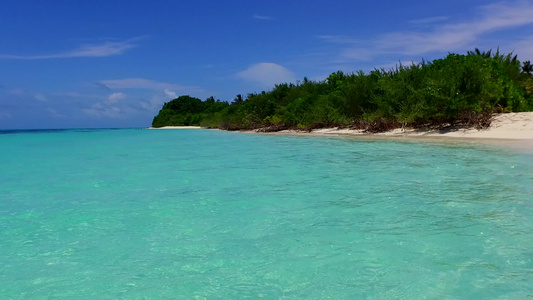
<point x="340" y="39"/>
<point x="170" y="94"/>
<point x="109" y="48"/>
<point x="451" y="36"/>
<point x="54" y="113"/>
<point x="156" y="102"/>
<point x="101" y="109"/>
<point x="261" y="17"/>
<point x="524" y="48"/>
<point x="267" y="74"/>
<point x="139" y="83"/>
<point x="24" y="94"/>
<point x="102" y="86"/>
<point x="169" y="89"/>
<point x="111" y="107"/>
<point x="116" y="97"/>
<point x="119" y="105"/>
<point x="40" y="97"/>
<point x="430" y="20"/>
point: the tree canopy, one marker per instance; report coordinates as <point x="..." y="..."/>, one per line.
<point x="455" y="90"/>
<point x="187" y="111"/>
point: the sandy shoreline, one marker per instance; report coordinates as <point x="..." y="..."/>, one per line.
<point x="511" y="129"/>
<point x="176" y="127"/>
<point x="515" y="126"/>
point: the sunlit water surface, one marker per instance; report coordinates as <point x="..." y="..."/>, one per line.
<point x="158" y="214"/>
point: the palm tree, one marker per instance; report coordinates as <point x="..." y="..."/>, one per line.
<point x="238" y="99"/>
<point x="483" y="54"/>
<point x="527" y="67"/>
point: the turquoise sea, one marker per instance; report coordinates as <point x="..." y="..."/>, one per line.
<point x="202" y="214"/>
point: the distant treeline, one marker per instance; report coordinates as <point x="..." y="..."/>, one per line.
<point x="457" y="90"/>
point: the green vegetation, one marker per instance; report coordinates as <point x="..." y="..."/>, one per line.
<point x="457" y="90"/>
<point x="187" y="111"/>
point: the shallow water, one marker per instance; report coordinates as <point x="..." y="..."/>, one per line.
<point x="107" y="214"/>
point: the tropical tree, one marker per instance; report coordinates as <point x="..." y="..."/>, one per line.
<point x="484" y="54"/>
<point x="527" y="67"/>
<point x="458" y="89"/>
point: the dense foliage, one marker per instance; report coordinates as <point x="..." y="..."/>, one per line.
<point x="457" y="90"/>
<point x="187" y="111"/>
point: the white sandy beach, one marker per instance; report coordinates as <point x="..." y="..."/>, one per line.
<point x="176" y="127"/>
<point x="510" y="130"/>
<point x="516" y="126"/>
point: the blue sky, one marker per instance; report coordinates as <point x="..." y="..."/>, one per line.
<point x="79" y="64"/>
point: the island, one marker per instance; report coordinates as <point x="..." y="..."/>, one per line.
<point x="460" y="91"/>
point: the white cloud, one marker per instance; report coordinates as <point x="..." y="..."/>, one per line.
<point x="100" y="110"/>
<point x="267" y="74"/>
<point x="107" y="49"/>
<point x="260" y="17"/>
<point x="524" y="48"/>
<point x="41" y="97"/>
<point x="100" y="50"/>
<point x="102" y="86"/>
<point x="115" y="97"/>
<point x="170" y="94"/>
<point x="340" y="39"/>
<point x="139" y="83"/>
<point x="503" y="15"/>
<point x="52" y="112"/>
<point x="24" y="94"/>
<point x="150" y="96"/>
<point x="429" y="20"/>
<point x="111" y="107"/>
<point x="165" y="90"/>
<point x="451" y="36"/>
<point x="154" y="104"/>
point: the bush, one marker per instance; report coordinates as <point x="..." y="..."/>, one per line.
<point x="455" y="90"/>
